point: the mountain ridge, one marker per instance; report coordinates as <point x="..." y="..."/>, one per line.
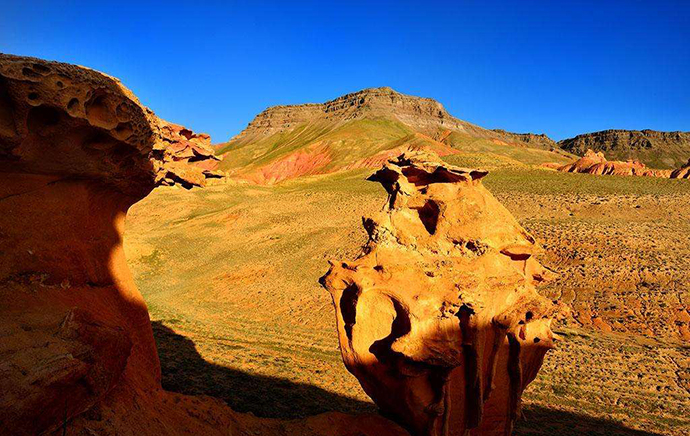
<point x="364" y="129"/>
<point x="658" y="149"/>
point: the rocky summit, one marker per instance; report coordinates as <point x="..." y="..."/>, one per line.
<point x="364" y="129"/>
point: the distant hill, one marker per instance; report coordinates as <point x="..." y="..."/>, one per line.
<point x="365" y="128"/>
<point x="536" y="140"/>
<point x="665" y="150"/>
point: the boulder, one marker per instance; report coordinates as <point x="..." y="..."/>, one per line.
<point x="439" y="318"/>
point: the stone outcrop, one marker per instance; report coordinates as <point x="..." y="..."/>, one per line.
<point x="187" y="157"/>
<point x="77" y="353"/>
<point x="424" y="115"/>
<point x="682" y="172"/>
<point x="418" y="112"/>
<point x="536" y="140"/>
<point x="661" y="149"/>
<point x="439" y="318"/>
<point x="595" y="163"/>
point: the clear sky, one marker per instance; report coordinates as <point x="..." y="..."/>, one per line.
<point x="557" y="67"/>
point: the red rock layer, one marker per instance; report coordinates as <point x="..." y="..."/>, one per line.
<point x="595" y="163"/>
<point x="439" y="319"/>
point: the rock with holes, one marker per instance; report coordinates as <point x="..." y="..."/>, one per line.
<point x="439" y="318"/>
<point x="70" y="121"/>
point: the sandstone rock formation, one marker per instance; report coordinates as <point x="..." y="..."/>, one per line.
<point x="682" y="172"/>
<point x="595" y="163"/>
<point x="658" y="149"/>
<point x="439" y="318"/>
<point x="76" y="151"/>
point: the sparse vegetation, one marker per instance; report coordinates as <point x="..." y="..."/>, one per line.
<point x="241" y="283"/>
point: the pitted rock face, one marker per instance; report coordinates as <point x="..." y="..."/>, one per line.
<point x="439" y="318"/>
<point x="70" y="121"/>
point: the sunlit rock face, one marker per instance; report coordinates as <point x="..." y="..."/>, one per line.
<point x="682" y="172"/>
<point x="76" y="150"/>
<point x="439" y="318"/>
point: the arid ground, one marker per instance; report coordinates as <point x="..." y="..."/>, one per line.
<point x="230" y="275"/>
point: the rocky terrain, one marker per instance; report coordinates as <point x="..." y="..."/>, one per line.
<point x="665" y="150"/>
<point x="531" y="139"/>
<point x="247" y="322"/>
<point x="596" y="163"/>
<point x="682" y="172"/>
<point x="362" y="130"/>
<point x="232" y="333"/>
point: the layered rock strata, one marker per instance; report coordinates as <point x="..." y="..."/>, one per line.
<point x="595" y="163"/>
<point x="439" y="318"/>
<point x="424" y="115"/>
<point x="664" y="149"/>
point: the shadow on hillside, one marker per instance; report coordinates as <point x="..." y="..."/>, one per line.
<point x="185" y="371"/>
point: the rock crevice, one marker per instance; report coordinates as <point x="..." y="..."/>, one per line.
<point x="439" y="318"/>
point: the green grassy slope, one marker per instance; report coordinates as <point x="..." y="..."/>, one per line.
<point x="349" y="143"/>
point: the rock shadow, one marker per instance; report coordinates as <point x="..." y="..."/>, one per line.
<point x="185" y="371"/>
<point x="542" y="421"/>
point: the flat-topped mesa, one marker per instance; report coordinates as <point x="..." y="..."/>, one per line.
<point x="439" y="318"/>
<point x="418" y="112"/>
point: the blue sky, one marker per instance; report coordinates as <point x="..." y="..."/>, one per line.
<point x="560" y="68"/>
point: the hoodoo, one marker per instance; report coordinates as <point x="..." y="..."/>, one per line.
<point x="439" y="318"/>
<point x="76" y="150"/>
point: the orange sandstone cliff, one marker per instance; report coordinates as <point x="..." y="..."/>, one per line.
<point x="77" y="353"/>
<point x="439" y="318"/>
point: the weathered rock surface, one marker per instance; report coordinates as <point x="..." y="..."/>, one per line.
<point x="595" y="163"/>
<point x="76" y="345"/>
<point x="537" y="140"/>
<point x="425" y="115"/>
<point x="682" y="172"/>
<point x="665" y="150"/>
<point x="439" y="318"/>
